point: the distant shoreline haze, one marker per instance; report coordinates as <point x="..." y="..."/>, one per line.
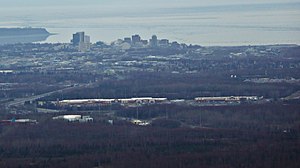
<point x="5" y="32"/>
<point x="23" y="35"/>
<point x="205" y="23"/>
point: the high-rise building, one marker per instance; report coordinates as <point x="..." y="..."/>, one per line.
<point x="81" y="41"/>
<point x="153" y="41"/>
<point x="78" y="38"/>
<point x="136" y="39"/>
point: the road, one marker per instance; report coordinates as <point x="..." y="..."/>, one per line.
<point x="21" y="101"/>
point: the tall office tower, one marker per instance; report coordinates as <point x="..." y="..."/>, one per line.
<point x="78" y="38"/>
<point x="81" y="41"/>
<point x="153" y="41"/>
<point x="136" y="39"/>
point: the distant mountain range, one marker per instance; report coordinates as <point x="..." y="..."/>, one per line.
<point x="7" y="32"/>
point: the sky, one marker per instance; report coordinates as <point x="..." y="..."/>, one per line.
<point x="110" y="7"/>
<point x="134" y="3"/>
<point x="75" y="8"/>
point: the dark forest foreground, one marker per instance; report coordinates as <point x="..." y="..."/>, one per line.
<point x="231" y="139"/>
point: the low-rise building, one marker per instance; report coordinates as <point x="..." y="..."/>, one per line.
<point x="19" y="121"/>
<point x="139" y="100"/>
<point x="139" y="122"/>
<point x="226" y="99"/>
<point x="74" y="118"/>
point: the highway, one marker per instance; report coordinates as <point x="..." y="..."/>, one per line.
<point x="21" y="101"/>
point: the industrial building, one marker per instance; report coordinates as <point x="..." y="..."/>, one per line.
<point x="141" y="100"/>
<point x="86" y="101"/>
<point x="227" y="99"/>
<point x="74" y="118"/>
<point x="140" y="122"/>
<point x="19" y="121"/>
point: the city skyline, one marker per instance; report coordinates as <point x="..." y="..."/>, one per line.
<point x="197" y="22"/>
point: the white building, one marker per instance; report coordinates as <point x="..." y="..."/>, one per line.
<point x="140" y="100"/>
<point x="140" y="122"/>
<point x="74" y="118"/>
<point x="226" y="99"/>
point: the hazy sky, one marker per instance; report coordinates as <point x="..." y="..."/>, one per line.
<point x="140" y="3"/>
<point x="50" y="7"/>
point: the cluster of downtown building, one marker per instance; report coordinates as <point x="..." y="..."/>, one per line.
<point x="80" y="55"/>
<point x="138" y="42"/>
<point x="133" y="54"/>
<point x="82" y="42"/>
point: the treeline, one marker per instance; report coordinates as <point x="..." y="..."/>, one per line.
<point x="54" y="77"/>
<point x="177" y="86"/>
<point x="267" y="117"/>
<point x="60" y="144"/>
<point x="28" y="84"/>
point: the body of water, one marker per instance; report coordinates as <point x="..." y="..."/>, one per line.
<point x="207" y="26"/>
